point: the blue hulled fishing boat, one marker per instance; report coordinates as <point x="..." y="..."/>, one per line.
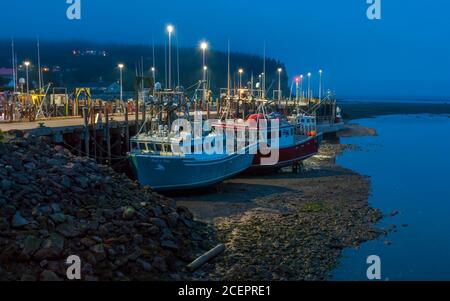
<point x="156" y="163"/>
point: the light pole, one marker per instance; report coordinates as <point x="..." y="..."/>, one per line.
<point x="263" y="85"/>
<point x="320" y="85"/>
<point x="297" y="89"/>
<point x="279" y="83"/>
<point x="153" y="74"/>
<point x="301" y="85"/>
<point x="205" y="71"/>
<point x="121" y="66"/>
<point x="203" y="47"/>
<point x="170" y="30"/>
<point x="309" y="87"/>
<point x="241" y="71"/>
<point x="44" y="70"/>
<point x="27" y="65"/>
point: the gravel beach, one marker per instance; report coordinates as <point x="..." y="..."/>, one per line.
<point x="288" y="226"/>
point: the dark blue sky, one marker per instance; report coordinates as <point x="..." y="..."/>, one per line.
<point x="407" y="53"/>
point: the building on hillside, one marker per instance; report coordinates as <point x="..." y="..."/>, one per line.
<point x="6" y="73"/>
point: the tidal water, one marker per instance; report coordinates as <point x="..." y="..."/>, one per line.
<point x="409" y="166"/>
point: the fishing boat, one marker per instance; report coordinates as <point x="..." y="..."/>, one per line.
<point x="326" y="113"/>
<point x="285" y="145"/>
<point x="156" y="163"/>
<point x="296" y="144"/>
<point x="330" y="124"/>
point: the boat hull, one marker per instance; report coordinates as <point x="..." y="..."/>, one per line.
<point x="288" y="156"/>
<point x="329" y="128"/>
<point x="175" y="173"/>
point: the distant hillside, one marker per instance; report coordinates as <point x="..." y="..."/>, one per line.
<point x="78" y="62"/>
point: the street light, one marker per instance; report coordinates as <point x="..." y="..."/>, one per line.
<point x="297" y="90"/>
<point x="121" y="66"/>
<point x="279" y="83"/>
<point x="27" y="65"/>
<point x="301" y="85"/>
<point x="241" y="71"/>
<point x="153" y="74"/>
<point x="309" y="87"/>
<point x="44" y="70"/>
<point x="203" y="47"/>
<point x="170" y="30"/>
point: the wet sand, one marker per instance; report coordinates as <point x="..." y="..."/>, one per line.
<point x="287" y="226"/>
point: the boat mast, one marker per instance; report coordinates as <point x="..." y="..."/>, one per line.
<point x="178" y="62"/>
<point x="39" y="65"/>
<point x="14" y="66"/>
<point x="229" y="71"/>
<point x="153" y="59"/>
<point x="165" y="63"/>
<point x="264" y="73"/>
<point x="17" y="68"/>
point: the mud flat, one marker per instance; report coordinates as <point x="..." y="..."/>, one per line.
<point x="368" y="109"/>
<point x="287" y="226"/>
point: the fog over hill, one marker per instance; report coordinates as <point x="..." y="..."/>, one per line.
<point x="77" y="62"/>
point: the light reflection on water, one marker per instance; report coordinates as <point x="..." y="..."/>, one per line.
<point x="409" y="166"/>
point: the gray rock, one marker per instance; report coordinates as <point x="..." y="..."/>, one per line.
<point x="159" y="263"/>
<point x="31" y="244"/>
<point x="55" y="207"/>
<point x="55" y="162"/>
<point x="55" y="241"/>
<point x="49" y="276"/>
<point x="28" y="278"/>
<point x="65" y="182"/>
<point x="19" y="221"/>
<point x="173" y="218"/>
<point x="30" y="166"/>
<point x="22" y="179"/>
<point x="145" y="265"/>
<point x="98" y="249"/>
<point x="58" y="218"/>
<point x="169" y="245"/>
<point x="45" y="210"/>
<point x="128" y="213"/>
<point x="83" y="182"/>
<point x="6" y="185"/>
<point x="158" y="222"/>
<point x="67" y="230"/>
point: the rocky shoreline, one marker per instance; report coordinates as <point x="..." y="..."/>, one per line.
<point x="297" y="230"/>
<point x="54" y="205"/>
